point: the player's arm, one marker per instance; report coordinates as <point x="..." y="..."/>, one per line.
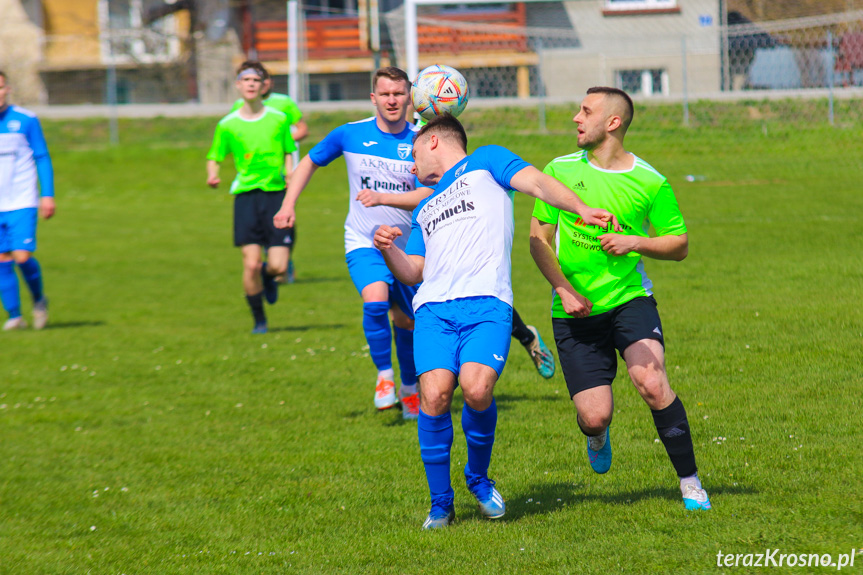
<point x="44" y="167"/>
<point x="289" y="167"/>
<point x="534" y="183"/>
<point x="213" y="174"/>
<point x="406" y="201"/>
<point x="407" y="268"/>
<point x="286" y="216"/>
<point x="669" y="247"/>
<point x="542" y="250"/>
<point x="299" y="130"/>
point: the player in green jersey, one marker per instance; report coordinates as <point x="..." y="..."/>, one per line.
<point x="602" y="298"/>
<point x="260" y="140"/>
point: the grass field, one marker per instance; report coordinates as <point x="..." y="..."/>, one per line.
<point x="148" y="432"/>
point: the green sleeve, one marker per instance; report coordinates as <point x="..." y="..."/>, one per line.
<point x="237" y="105"/>
<point x="290" y="144"/>
<point x="219" y="149"/>
<point x="664" y="213"/>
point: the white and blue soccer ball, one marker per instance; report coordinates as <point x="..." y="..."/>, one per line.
<point x="439" y="89"/>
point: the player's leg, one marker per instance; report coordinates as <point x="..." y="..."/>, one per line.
<point x="9" y="293"/>
<point x="253" y="285"/>
<point x="485" y="328"/>
<point x="529" y="337"/>
<point x="273" y="271"/>
<point x="436" y="345"/>
<point x="279" y="243"/>
<point x="638" y="320"/>
<point x="589" y="363"/>
<point x="31" y="271"/>
<point x="401" y="298"/>
<point x="17" y="241"/>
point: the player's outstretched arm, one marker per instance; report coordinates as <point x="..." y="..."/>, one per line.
<point x="668" y="247"/>
<point x="213" y="174"/>
<point x="299" y="130"/>
<point x="534" y="183"/>
<point x="408" y="269"/>
<point x="406" y="201"/>
<point x="542" y="250"/>
<point x="286" y="216"/>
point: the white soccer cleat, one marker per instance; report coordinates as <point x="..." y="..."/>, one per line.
<point x="14" y="323"/>
<point x="40" y="314"/>
<point x="385" y="394"/>
<point x="695" y="498"/>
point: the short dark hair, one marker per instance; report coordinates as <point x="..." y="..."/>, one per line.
<point x="618" y="93"/>
<point x="392" y="73"/>
<point x="3" y="75"/>
<point x="445" y="126"/>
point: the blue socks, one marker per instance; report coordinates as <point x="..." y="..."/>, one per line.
<point x="435" y="435"/>
<point x="9" y="293"/>
<point x="479" y="429"/>
<point x="376" y="325"/>
<point x="32" y="273"/>
<point x="405" y="355"/>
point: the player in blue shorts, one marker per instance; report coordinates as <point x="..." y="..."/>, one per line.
<point x="26" y="190"/>
<point x="459" y="247"/>
<point x="377" y="152"/>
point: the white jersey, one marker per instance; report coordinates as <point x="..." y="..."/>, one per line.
<point x="378" y="161"/>
<point x="23" y="155"/>
<point x="465" y="229"/>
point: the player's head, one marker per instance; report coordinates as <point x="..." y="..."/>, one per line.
<point x="252" y="79"/>
<point x="4" y="90"/>
<point x="391" y="94"/>
<point x="605" y="113"/>
<point x="436" y="146"/>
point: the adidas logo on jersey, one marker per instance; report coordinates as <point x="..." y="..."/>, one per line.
<point x="579" y="186"/>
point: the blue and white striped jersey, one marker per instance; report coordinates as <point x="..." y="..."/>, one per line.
<point x="24" y="160"/>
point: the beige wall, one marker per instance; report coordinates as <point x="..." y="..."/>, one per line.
<point x="72" y="34"/>
<point x="20" y="53"/>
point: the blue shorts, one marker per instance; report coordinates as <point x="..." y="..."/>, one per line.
<point x="449" y="334"/>
<point x="18" y="230"/>
<point x="367" y="265"/>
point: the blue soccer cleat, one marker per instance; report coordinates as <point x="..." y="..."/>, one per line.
<point x="600" y="460"/>
<point x="695" y="498"/>
<point x="490" y="500"/>
<point x="542" y="357"/>
<point x="260" y="327"/>
<point x="271" y="287"/>
<point x="442" y="512"/>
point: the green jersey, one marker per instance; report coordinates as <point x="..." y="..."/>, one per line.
<point x="281" y="102"/>
<point x="259" y="148"/>
<point x="639" y="197"/>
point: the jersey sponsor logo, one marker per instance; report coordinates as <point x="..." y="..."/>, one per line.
<point x="579" y="186"/>
<point x="404" y="151"/>
<point x="369" y="143"/>
<point x="461" y="170"/>
<point x="446" y="214"/>
<point x="366" y="183"/>
<point x="391" y="166"/>
<point x="14" y="125"/>
<point x="497" y="357"/>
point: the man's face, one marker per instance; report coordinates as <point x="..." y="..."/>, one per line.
<point x="390" y="99"/>
<point x="4" y="92"/>
<point x="592" y="122"/>
<point x="422" y="161"/>
<point x="250" y="86"/>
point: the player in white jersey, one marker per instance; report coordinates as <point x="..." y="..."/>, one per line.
<point x="26" y="190"/>
<point x="459" y="247"/>
<point x="377" y="152"/>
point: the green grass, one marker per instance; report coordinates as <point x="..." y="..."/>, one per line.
<point x="147" y="431"/>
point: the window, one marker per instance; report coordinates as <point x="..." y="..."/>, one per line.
<point x="643" y="82"/>
<point x="613" y="7"/>
<point x="125" y="39"/>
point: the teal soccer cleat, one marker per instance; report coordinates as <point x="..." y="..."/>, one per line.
<point x="600" y="460"/>
<point x="695" y="498"/>
<point x="541" y="355"/>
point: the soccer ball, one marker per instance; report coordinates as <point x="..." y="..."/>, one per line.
<point x="439" y="89"/>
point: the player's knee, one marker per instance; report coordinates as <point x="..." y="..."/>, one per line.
<point x="276" y="269"/>
<point x="654" y="389"/>
<point x="594" y="422"/>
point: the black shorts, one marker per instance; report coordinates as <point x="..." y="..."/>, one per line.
<point x="253" y="220"/>
<point x="586" y="346"/>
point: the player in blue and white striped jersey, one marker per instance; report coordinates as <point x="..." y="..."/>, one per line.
<point x="377" y="152"/>
<point x="26" y="189"/>
<point x="459" y="248"/>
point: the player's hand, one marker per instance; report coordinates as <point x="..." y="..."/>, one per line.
<point x="369" y="198"/>
<point x="618" y="244"/>
<point x="214" y="181"/>
<point x="600" y="217"/>
<point x="284" y="218"/>
<point x="47" y="207"/>
<point x="385" y="236"/>
<point x="574" y="303"/>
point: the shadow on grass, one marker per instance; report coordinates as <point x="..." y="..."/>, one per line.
<point x="68" y="324"/>
<point x="314" y="280"/>
<point x="308" y="327"/>
<point x="543" y="498"/>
